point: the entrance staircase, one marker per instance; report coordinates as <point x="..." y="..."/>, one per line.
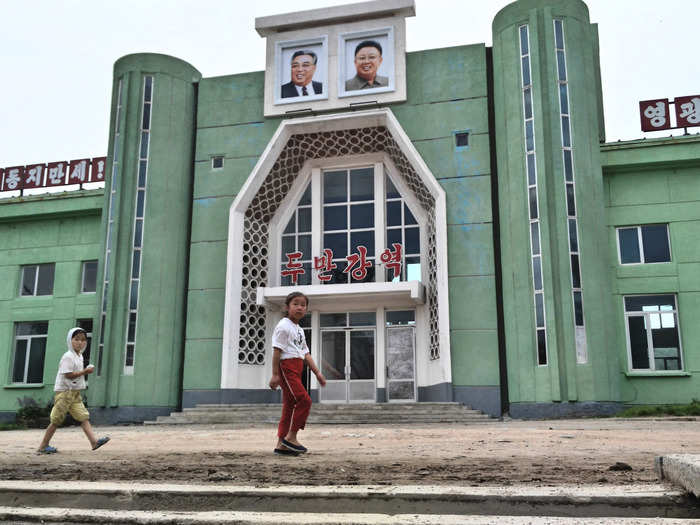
<point x="345" y="414"/>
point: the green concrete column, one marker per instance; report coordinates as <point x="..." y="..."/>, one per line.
<point x="560" y="130"/>
<point x="145" y="227"/>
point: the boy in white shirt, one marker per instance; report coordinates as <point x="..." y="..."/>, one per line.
<point x="70" y="382"/>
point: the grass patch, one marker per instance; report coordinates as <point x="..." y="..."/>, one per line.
<point x="11" y="426"/>
<point x="691" y="409"/>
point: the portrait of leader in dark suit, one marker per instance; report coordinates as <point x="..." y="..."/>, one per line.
<point x="368" y="59"/>
<point x="303" y="66"/>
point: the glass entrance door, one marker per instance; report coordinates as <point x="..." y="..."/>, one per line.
<point x="348" y="364"/>
<point x="401" y="355"/>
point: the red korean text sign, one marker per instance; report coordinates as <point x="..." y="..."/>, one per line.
<point x="687" y="111"/>
<point x="60" y="173"/>
<point x="357" y="264"/>
<point x="656" y="114"/>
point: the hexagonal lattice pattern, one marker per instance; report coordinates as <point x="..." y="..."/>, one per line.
<point x="262" y="208"/>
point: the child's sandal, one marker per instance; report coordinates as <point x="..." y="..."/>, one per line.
<point x="100" y="442"/>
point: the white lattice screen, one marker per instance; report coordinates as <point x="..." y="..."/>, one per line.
<point x="298" y="150"/>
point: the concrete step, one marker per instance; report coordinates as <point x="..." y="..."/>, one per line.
<point x="55" y="515"/>
<point x="338" y="504"/>
<point x="365" y="413"/>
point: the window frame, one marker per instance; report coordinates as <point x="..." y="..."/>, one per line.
<point x="29" y="339"/>
<point x="82" y="278"/>
<point x="640" y="242"/>
<point x="38" y="267"/>
<point x="312" y="172"/>
<point x="646" y="315"/>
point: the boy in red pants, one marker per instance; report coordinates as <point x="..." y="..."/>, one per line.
<point x="290" y="353"/>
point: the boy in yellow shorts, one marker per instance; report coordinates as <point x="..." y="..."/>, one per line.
<point x="70" y="382"/>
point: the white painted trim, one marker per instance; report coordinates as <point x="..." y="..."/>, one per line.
<point x="319" y="124"/>
<point x="331" y="100"/>
<point x="232" y="309"/>
<point x="379" y="223"/>
<point x="269" y="25"/>
<point x="409" y="292"/>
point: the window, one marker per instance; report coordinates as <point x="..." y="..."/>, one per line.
<point x="461" y="139"/>
<point x="402" y="228"/>
<point x="348" y="219"/>
<point x="297" y="238"/>
<point x="30" y="349"/>
<point x="217" y="162"/>
<point x="139" y="215"/>
<point x="362" y="225"/>
<point x="89" y="280"/>
<point x="643" y="244"/>
<point x="37" y="279"/>
<point x="532" y="198"/>
<point x="653" y="341"/>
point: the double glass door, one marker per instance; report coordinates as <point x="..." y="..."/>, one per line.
<point x="348" y="364"/>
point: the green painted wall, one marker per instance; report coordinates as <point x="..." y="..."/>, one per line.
<point x="563" y="379"/>
<point x="654" y="182"/>
<point x="447" y="92"/>
<point x="156" y="378"/>
<point x="59" y="228"/>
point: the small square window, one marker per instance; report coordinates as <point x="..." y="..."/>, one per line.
<point x="30" y="350"/>
<point x="89" y="280"/>
<point x="37" y="279"/>
<point x="217" y="162"/>
<point x="653" y="338"/>
<point x="643" y="244"/>
<point x="461" y="139"/>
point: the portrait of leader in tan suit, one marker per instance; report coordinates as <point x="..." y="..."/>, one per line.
<point x="368" y="58"/>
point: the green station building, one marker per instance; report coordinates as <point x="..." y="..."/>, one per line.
<point x="460" y="225"/>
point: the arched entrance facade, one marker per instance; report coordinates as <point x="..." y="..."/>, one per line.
<point x="347" y="200"/>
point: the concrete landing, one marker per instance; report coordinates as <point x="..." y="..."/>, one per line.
<point x="58" y="515"/>
<point x="681" y="469"/>
<point x="349" y="504"/>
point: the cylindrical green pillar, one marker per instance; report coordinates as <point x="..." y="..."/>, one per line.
<point x="145" y="227"/>
<point x="556" y="289"/>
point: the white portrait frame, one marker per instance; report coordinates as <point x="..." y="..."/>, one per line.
<point x="346" y="55"/>
<point x="282" y="67"/>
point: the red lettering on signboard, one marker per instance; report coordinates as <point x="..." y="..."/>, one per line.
<point x="392" y="259"/>
<point x="78" y="171"/>
<point x="687" y="111"/>
<point x="325" y="264"/>
<point x="360" y="261"/>
<point x="34" y="176"/>
<point x="655" y="114"/>
<point x="56" y="173"/>
<point x="99" y="165"/>
<point x="294" y="268"/>
<point x="13" y="178"/>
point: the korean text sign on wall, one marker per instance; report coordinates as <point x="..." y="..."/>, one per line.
<point x="53" y="174"/>
<point x="656" y="114"/>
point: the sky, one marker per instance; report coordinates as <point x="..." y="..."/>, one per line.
<point x="57" y="56"/>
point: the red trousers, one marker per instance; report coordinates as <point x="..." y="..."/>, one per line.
<point x="296" y="402"/>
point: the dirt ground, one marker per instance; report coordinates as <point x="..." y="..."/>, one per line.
<point x="584" y="451"/>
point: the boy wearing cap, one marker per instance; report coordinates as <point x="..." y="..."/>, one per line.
<point x="70" y="382"/>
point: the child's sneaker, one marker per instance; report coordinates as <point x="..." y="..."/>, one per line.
<point x="48" y="449"/>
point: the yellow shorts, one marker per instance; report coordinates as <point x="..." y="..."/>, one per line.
<point x="68" y="401"/>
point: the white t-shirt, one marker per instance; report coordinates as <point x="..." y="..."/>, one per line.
<point x="70" y="362"/>
<point x="289" y="338"/>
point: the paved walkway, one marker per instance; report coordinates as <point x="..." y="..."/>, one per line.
<point x="514" y="463"/>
